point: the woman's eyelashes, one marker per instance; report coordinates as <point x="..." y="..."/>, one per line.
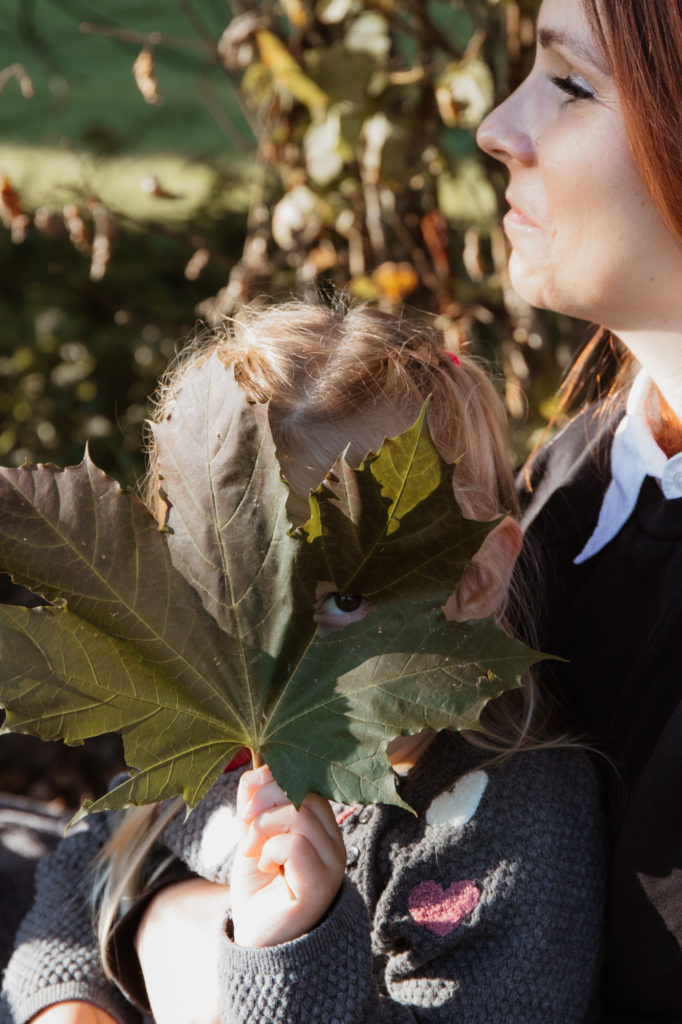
<point x="334" y="610"/>
<point x="575" y="86"/>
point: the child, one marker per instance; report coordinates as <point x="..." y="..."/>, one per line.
<point x="485" y="905"/>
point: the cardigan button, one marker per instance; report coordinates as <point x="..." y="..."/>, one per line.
<point x="352" y="856"/>
<point x="364" y="816"/>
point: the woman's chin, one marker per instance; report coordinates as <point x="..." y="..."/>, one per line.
<point x="529" y="283"/>
<point x="542" y="287"/>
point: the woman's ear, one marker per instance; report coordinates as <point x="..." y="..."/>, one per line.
<point x="484" y="586"/>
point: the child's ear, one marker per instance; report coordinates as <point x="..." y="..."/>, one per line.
<point x="483" y="588"/>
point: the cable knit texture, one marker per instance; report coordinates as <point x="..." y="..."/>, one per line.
<point x="56" y="957"/>
<point x="28" y="830"/>
<point x="486" y="906"/>
<point x="492" y="917"/>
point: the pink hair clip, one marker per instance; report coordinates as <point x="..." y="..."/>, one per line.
<point x="455" y="359"/>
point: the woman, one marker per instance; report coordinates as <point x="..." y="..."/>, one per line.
<point x="593" y="146"/>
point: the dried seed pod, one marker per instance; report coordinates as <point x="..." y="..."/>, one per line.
<point x="105" y="231"/>
<point x="197" y="263"/>
<point x="78" y="232"/>
<point x="145" y="76"/>
<point x="236" y="46"/>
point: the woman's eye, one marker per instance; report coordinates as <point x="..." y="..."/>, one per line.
<point x="575" y="86"/>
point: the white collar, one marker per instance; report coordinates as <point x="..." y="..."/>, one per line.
<point x="634" y="456"/>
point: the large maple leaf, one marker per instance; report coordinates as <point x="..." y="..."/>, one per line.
<point x="198" y="639"/>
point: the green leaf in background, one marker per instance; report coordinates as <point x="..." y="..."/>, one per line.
<point x="199" y="639"/>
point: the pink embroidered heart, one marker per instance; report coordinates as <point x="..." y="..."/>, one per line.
<point x="439" y="910"/>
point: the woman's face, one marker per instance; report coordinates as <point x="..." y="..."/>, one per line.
<point x="586" y="237"/>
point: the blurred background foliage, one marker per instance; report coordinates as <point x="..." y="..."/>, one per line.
<point x="163" y="161"/>
<point x="166" y="160"/>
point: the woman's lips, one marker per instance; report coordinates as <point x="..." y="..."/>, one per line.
<point x="517" y="218"/>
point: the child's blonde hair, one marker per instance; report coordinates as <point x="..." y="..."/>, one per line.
<point x="344" y="377"/>
<point x="349" y="376"/>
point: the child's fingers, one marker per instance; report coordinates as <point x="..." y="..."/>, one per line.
<point x="304" y="869"/>
<point x="286" y="820"/>
<point x="322" y="810"/>
<point x="284" y="893"/>
<point x="257" y="791"/>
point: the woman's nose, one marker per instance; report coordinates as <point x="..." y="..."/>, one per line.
<point x="504" y="134"/>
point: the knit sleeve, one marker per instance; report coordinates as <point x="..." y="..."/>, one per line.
<point x="323" y="976"/>
<point x="488" y="916"/>
<point x="56" y="956"/>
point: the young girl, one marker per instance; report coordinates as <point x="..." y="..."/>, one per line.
<point x="485" y="905"/>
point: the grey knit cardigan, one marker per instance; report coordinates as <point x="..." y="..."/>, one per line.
<point x="485" y="906"/>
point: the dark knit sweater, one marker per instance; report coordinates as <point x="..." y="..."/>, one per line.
<point x="617" y="619"/>
<point x="28" y="830"/>
<point x="485" y="906"/>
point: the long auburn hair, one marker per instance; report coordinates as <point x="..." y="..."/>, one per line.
<point x="642" y="42"/>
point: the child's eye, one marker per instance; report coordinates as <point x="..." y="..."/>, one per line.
<point x="577" y="87"/>
<point x="335" y="610"/>
<point x="341" y="604"/>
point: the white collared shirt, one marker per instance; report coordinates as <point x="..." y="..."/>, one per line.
<point x="634" y="456"/>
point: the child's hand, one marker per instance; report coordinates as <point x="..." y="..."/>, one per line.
<point x="289" y="865"/>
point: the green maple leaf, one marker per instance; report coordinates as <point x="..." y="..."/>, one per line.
<point x="198" y="639"/>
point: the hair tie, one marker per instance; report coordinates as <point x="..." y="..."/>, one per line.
<point x="455" y="359"/>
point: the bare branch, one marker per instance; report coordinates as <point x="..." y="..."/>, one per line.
<point x="224" y="121"/>
<point x="144" y="38"/>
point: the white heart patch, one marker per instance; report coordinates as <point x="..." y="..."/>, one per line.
<point x="458" y="805"/>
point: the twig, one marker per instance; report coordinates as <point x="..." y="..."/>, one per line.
<point x="127" y="35"/>
<point x="221" y="118"/>
<point x="197" y="24"/>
